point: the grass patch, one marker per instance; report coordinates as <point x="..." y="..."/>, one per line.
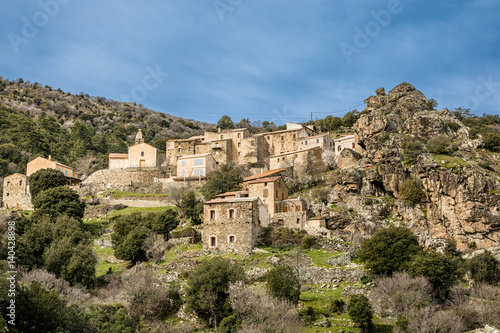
<point x="450" y="162"/>
<point x="122" y="194"/>
<point x="320" y="257"/>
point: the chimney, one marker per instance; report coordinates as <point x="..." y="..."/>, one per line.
<point x="50" y="157"/>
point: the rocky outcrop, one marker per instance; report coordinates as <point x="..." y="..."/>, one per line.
<point x="459" y="199"/>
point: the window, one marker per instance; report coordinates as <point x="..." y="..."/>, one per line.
<point x="282" y="138"/>
<point x="294" y="136"/>
<point x="268" y="137"/>
<point x="239" y="144"/>
<point x="239" y="153"/>
<point x="21" y="182"/>
<point x="213" y="241"/>
<point x="183" y="163"/>
<point x="8" y="183"/>
<point x="142" y="153"/>
<point x="239" y="135"/>
<point x="133" y="165"/>
<point x="222" y="136"/>
<point x="265" y="184"/>
<point x="298" y="221"/>
<point x="7" y="194"/>
<point x="231" y="213"/>
<point x="265" y="193"/>
<point x="188" y="149"/>
<point x="231" y="239"/>
<point x="179" y="150"/>
<point x="317" y="140"/>
<point x="198" y="172"/>
<point x="353" y="145"/>
<point x="216" y="153"/>
<point x="305" y="142"/>
<point x="59" y="169"/>
<point x="212" y="214"/>
<point x="339" y="148"/>
<point x="252" y="143"/>
<point x="65" y="172"/>
<point x="183" y="173"/>
<point x="198" y="161"/>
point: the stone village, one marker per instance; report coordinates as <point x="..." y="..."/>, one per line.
<point x="231" y="220"/>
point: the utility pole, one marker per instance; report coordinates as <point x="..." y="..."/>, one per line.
<point x="311" y="118"/>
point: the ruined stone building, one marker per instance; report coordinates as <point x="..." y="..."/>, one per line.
<point x="16" y="192"/>
<point x="140" y="155"/>
<point x="232" y="220"/>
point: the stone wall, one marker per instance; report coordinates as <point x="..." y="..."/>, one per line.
<point x="15" y="192"/>
<point x="232" y="232"/>
<point x="127" y="179"/>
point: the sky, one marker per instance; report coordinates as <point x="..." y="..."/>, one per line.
<point x="274" y="60"/>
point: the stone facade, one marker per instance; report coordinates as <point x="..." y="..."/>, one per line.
<point x="323" y="141"/>
<point x="195" y="166"/>
<point x="344" y="142"/>
<point x="179" y="148"/>
<point x="269" y="190"/>
<point x="125" y="179"/>
<point x="293" y="158"/>
<point x="232" y="225"/>
<point x="16" y="192"/>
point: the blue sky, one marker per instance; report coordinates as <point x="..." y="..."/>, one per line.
<point x="275" y="60"/>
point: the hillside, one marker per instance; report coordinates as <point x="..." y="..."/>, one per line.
<point x="37" y="120"/>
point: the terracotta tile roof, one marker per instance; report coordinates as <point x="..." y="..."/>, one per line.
<point x="118" y="155"/>
<point x="194" y="156"/>
<point x="231" y="193"/>
<point x="231" y="200"/>
<point x="265" y="180"/>
<point x="263" y="174"/>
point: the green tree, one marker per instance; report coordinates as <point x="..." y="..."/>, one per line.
<point x="162" y="223"/>
<point x="484" y="268"/>
<point x="282" y="282"/>
<point x="58" y="201"/>
<point x="350" y="118"/>
<point x="207" y="288"/>
<point x="360" y="312"/>
<point x="411" y="191"/>
<point x="192" y="207"/>
<point x="45" y="179"/>
<point x="225" y="123"/>
<point x="389" y="250"/>
<point x="227" y="179"/>
<point x="438" y="269"/>
<point x="132" y="246"/>
<point x="439" y="144"/>
<point x="111" y="319"/>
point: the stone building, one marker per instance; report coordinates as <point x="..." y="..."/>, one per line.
<point x="43" y="163"/>
<point x="344" y="142"/>
<point x="16" y="192"/>
<point x="181" y="147"/>
<point x="280" y="142"/>
<point x="294" y="158"/>
<point x="140" y="155"/>
<point x="195" y="166"/>
<point x="232" y="224"/>
<point x="322" y="140"/>
<point x="271" y="190"/>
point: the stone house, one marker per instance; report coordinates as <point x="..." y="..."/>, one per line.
<point x="263" y="174"/>
<point x="271" y="190"/>
<point x="280" y="142"/>
<point x="322" y="140"/>
<point x="16" y="192"/>
<point x="140" y="155"/>
<point x="195" y="166"/>
<point x="294" y="158"/>
<point x="181" y="147"/>
<point x="232" y="223"/>
<point x="344" y="142"/>
<point x="43" y="163"/>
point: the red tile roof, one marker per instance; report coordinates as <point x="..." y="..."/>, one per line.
<point x="231" y="193"/>
<point x="265" y="180"/>
<point x="118" y="155"/>
<point x="263" y="174"/>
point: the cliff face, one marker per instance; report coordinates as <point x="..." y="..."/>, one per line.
<point x="458" y="198"/>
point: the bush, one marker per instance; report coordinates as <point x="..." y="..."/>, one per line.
<point x="45" y="179"/>
<point x="227" y="179"/>
<point x="411" y="191"/>
<point x="207" y="289"/>
<point x="484" y="268"/>
<point x="438" y="269"/>
<point x="282" y="282"/>
<point x="360" y="312"/>
<point x="308" y="241"/>
<point x="281" y="237"/>
<point x="58" y="201"/>
<point x="411" y="149"/>
<point x="230" y="324"/>
<point x="389" y="250"/>
<point x="439" y="145"/>
<point x="337" y="305"/>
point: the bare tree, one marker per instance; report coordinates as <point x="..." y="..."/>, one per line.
<point x="84" y="166"/>
<point x="261" y="312"/>
<point x="91" y="189"/>
<point x="329" y="159"/>
<point x="153" y="246"/>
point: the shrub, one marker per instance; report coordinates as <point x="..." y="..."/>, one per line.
<point x="230" y="324"/>
<point x="58" y="201"/>
<point x="45" y="179"/>
<point x="439" y="145"/>
<point x="308" y="241"/>
<point x="484" y="268"/>
<point x="411" y="191"/>
<point x="411" y="149"/>
<point x="282" y="282"/>
<point x="337" y="305"/>
<point x="207" y="288"/>
<point x="389" y="250"/>
<point x="360" y="312"/>
<point x="438" y="269"/>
